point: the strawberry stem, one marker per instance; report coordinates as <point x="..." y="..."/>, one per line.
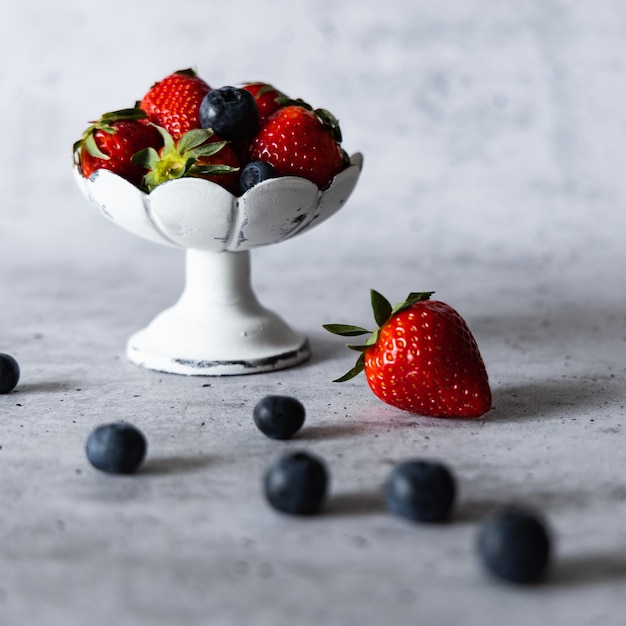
<point x="180" y="159"/>
<point x="383" y="312"/>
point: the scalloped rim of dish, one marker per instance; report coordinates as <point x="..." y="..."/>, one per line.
<point x="169" y="214"/>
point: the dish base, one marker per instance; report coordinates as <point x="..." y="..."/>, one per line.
<point x="217" y="327"/>
<point x="203" y="367"/>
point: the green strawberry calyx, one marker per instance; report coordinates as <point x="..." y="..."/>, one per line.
<point x="182" y="158"/>
<point x="191" y="72"/>
<point x="383" y="312"/>
<point x="105" y="124"/>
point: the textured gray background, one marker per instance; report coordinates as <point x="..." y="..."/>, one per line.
<point x="494" y="141"/>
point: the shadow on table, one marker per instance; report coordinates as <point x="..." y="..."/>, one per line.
<point x="550" y="398"/>
<point x="365" y="502"/>
<point x="329" y="431"/>
<point x="176" y="464"/>
<point x="474" y="510"/>
<point x="47" y="387"/>
<point x="592" y="568"/>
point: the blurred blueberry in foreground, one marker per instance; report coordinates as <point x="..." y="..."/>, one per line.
<point x="514" y="544"/>
<point x="116" y="448"/>
<point x="420" y="490"/>
<point x="296" y="483"/>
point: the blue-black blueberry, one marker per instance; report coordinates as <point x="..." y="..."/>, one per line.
<point x="116" y="448"/>
<point x="420" y="490"/>
<point x="9" y="373"/>
<point x="255" y="172"/>
<point x="296" y="483"/>
<point x="231" y="112"/>
<point x="279" y="417"/>
<point x="514" y="544"/>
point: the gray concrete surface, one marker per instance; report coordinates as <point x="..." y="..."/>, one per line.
<point x="494" y="174"/>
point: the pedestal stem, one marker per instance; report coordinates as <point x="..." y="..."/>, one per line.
<point x="218" y="279"/>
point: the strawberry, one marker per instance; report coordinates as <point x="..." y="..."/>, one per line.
<point x="110" y="143"/>
<point x="198" y="153"/>
<point x="174" y="102"/>
<point x="299" y="141"/>
<point x="268" y="99"/>
<point x="422" y="358"/>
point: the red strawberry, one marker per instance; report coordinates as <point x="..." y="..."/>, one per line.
<point x="298" y="141"/>
<point x="174" y="102"/>
<point x="111" y="142"/>
<point x="422" y="358"/>
<point x="268" y="99"/>
<point x="198" y="153"/>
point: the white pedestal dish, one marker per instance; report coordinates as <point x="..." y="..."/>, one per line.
<point x="218" y="326"/>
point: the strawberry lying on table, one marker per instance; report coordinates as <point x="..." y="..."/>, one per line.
<point x="240" y="136"/>
<point x="422" y="358"/>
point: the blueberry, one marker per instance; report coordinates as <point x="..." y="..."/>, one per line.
<point x="420" y="490"/>
<point x="231" y="112"/>
<point x="116" y="448"/>
<point x="514" y="545"/>
<point x="254" y="173"/>
<point x="296" y="483"/>
<point x="9" y="373"/>
<point x="279" y="417"/>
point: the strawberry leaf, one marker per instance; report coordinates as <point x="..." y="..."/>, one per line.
<point x="186" y="168"/>
<point x="330" y="122"/>
<point x="413" y="298"/>
<point x="265" y="88"/>
<point x="210" y="169"/>
<point x="91" y="147"/>
<point x="168" y="140"/>
<point x="362" y="348"/>
<point x="107" y="128"/>
<point x="297" y="102"/>
<point x="189" y="71"/>
<point x="373" y="338"/>
<point x="148" y="158"/>
<point x="359" y="366"/>
<point x="205" y="150"/>
<point x="193" y="138"/>
<point x="381" y="307"/>
<point x="346" y="330"/>
<point x="123" y="115"/>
